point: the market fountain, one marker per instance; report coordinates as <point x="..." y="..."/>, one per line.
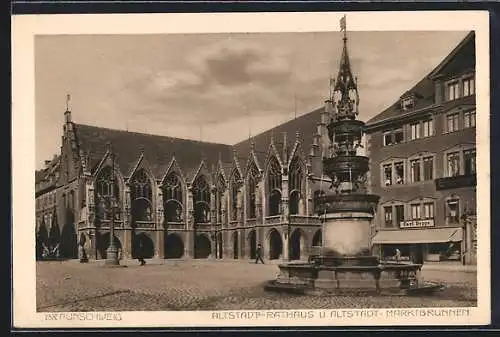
<point x="346" y="212"/>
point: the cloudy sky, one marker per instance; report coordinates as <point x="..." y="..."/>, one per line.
<point x="217" y="87"/>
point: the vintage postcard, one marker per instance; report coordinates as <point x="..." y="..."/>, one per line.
<point x="270" y="169"/>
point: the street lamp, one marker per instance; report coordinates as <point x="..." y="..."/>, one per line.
<point x="112" y="251"/>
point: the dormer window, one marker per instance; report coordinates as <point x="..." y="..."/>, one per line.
<point x="407" y="103"/>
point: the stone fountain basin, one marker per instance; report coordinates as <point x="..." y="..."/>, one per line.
<point x="381" y="279"/>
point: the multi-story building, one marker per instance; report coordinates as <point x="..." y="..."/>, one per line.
<point x="422" y="153"/>
<point x="184" y="198"/>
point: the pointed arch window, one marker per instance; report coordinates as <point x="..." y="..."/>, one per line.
<point x="274" y="187"/>
<point x="201" y="196"/>
<point x="235" y="181"/>
<point x="295" y="184"/>
<point x="173" y="198"/>
<point x="141" y="195"/>
<point x="220" y="187"/>
<point x="252" y="186"/>
<point x="106" y="194"/>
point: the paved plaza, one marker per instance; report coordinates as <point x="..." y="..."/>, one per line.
<point x="211" y="285"/>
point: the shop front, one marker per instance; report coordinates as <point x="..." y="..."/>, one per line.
<point x="421" y="245"/>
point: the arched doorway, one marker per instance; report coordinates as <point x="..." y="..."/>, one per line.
<point x="252" y="243"/>
<point x="275" y="245"/>
<point x="296" y="243"/>
<point x="148" y="247"/>
<point x="173" y="246"/>
<point x="317" y="238"/>
<point x="235" y="245"/>
<point x="219" y="245"/>
<point x="202" y="247"/>
<point x="102" y="243"/>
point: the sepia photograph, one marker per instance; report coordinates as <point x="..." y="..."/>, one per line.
<point x="323" y="174"/>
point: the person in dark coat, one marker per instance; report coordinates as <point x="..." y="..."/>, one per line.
<point x="140" y="254"/>
<point x="258" y="254"/>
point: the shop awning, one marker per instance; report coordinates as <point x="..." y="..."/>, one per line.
<point x="435" y="235"/>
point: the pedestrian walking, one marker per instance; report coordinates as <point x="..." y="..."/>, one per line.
<point x="258" y="254"/>
<point x="140" y="254"/>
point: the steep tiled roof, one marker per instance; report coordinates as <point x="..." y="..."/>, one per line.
<point x="47" y="170"/>
<point x="158" y="150"/>
<point x="462" y="57"/>
<point x="424" y="89"/>
<point x="305" y="124"/>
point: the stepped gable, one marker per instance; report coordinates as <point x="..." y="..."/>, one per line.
<point x="461" y="57"/>
<point x="305" y="124"/>
<point x="158" y="150"/>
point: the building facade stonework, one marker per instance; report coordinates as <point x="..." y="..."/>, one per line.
<point x="181" y="198"/>
<point x="191" y="199"/>
<point x="423" y="165"/>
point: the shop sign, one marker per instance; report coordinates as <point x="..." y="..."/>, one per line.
<point x="417" y="223"/>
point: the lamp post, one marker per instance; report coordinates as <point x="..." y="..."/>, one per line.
<point x="112" y="251"/>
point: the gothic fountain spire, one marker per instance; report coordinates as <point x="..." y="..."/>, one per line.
<point x="345" y="89"/>
<point x="346" y="210"/>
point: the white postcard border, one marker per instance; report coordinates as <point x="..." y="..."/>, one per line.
<point x="25" y="27"/>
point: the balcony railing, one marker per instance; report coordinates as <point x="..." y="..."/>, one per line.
<point x="456" y="181"/>
<point x="145" y="224"/>
<point x="174" y="225"/>
<point x="303" y="219"/>
<point x="251" y="222"/>
<point x="273" y="219"/>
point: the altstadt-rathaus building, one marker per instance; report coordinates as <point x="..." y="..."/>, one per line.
<point x="184" y="198"/>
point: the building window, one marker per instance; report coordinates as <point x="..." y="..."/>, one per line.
<point x="172" y="198"/>
<point x="388" y="216"/>
<point x="235" y="189"/>
<point x="415" y="212"/>
<point x="469" y="87"/>
<point x="428" y="168"/>
<point x="387" y="138"/>
<point x="400" y="214"/>
<point x="399" y="172"/>
<point x="141" y="196"/>
<point x="220" y="188"/>
<point x="415" y="170"/>
<point x="407" y="103"/>
<point x="415" y="131"/>
<point x="295" y="186"/>
<point x="453" y="164"/>
<point x="106" y="190"/>
<point x="452" y="211"/>
<point x="428" y="210"/>
<point x="201" y="199"/>
<point x="452" y="122"/>
<point x="393" y="137"/>
<point x="427" y="128"/>
<point x="453" y="92"/>
<point x="252" y="186"/>
<point x="388" y="174"/>
<point x="398" y="136"/>
<point x="470" y="119"/>
<point x="274" y="187"/>
<point x="470" y="162"/>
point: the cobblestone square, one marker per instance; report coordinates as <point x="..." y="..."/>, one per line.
<point x="164" y="285"/>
